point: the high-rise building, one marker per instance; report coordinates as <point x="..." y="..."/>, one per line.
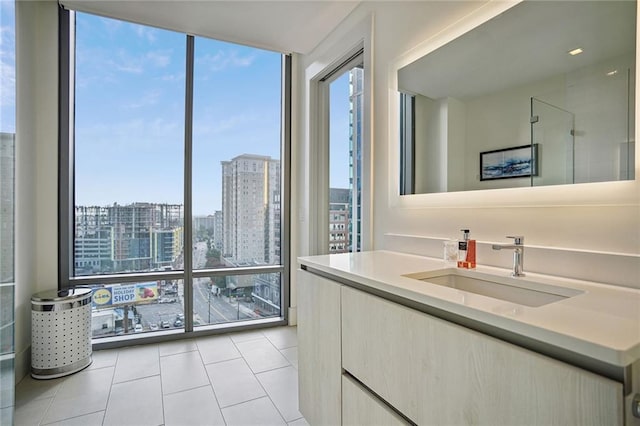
<point x="204" y="224"/>
<point x="135" y="237"/>
<point x="339" y="219"/>
<point x="356" y="110"/>
<point x="251" y="210"/>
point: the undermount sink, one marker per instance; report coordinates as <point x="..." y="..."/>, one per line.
<point x="516" y="290"/>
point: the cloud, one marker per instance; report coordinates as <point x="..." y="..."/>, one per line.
<point x="173" y="77"/>
<point x="159" y="58"/>
<point x="112" y="26"/>
<point x="7" y="38"/>
<point x="7" y="66"/>
<point x="126" y="63"/>
<point x="148" y="99"/>
<point x="205" y="127"/>
<point x="7" y="84"/>
<point x="135" y="64"/>
<point x="146" y="33"/>
<point x="138" y="135"/>
<point x="225" y="59"/>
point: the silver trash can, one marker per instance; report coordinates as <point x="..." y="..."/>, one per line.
<point x="60" y="332"/>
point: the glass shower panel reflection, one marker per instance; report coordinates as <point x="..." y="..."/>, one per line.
<point x="552" y="134"/>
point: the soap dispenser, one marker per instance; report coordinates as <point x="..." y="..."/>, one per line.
<point x="466" y="251"/>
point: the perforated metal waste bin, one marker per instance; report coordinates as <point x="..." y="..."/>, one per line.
<point x="60" y="332"/>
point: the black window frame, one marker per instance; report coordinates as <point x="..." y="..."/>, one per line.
<point x="66" y="208"/>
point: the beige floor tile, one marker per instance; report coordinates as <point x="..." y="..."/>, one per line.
<point x="192" y="407"/>
<point x="177" y="347"/>
<point x="299" y="422"/>
<point x="291" y="354"/>
<point x="30" y="389"/>
<point x="93" y="419"/>
<point x="31" y="412"/>
<point x="170" y="384"/>
<point x="259" y="412"/>
<point x="245" y="336"/>
<point x="282" y="387"/>
<point x="103" y="358"/>
<point x="234" y="382"/>
<point x="261" y="355"/>
<point x="282" y="337"/>
<point x="182" y="371"/>
<point x="137" y="362"/>
<point x="82" y="393"/>
<point x="136" y="403"/>
<point x="217" y="348"/>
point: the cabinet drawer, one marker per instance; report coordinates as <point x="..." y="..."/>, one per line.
<point x="359" y="407"/>
<point x="436" y="372"/>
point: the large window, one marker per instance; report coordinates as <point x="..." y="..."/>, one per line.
<point x="345" y="91"/>
<point x="7" y="202"/>
<point x="175" y="177"/>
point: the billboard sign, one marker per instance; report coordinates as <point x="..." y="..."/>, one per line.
<point x="125" y="294"/>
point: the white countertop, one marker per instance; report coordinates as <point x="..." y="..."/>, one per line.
<point x="603" y="322"/>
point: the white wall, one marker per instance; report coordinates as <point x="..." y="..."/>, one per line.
<point x="589" y="231"/>
<point x="36" y="163"/>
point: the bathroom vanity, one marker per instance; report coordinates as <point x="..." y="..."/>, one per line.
<point x="390" y="338"/>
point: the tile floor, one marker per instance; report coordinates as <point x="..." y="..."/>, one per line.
<point x="247" y="378"/>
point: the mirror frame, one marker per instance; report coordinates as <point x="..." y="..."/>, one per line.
<point x="625" y="193"/>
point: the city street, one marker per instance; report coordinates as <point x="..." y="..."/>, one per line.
<point x="208" y="308"/>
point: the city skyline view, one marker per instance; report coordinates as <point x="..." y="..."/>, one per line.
<point x="130" y="111"/>
<point x="129" y="133"/>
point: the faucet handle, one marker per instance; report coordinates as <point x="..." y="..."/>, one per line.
<point x="518" y="239"/>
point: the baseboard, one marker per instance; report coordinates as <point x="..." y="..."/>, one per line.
<point x="293" y="315"/>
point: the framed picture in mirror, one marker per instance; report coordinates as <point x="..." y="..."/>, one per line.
<point x="507" y="163"/>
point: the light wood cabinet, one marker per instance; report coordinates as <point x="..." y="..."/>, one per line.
<point x="319" y="358"/>
<point x="432" y="371"/>
<point x="360" y="407"/>
<point x="436" y="372"/>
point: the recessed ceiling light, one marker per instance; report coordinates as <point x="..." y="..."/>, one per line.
<point x="575" y="52"/>
<point x="612" y="72"/>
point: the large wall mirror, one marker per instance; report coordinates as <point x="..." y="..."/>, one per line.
<point x="542" y="94"/>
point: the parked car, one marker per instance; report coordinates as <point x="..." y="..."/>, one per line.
<point x="165" y="324"/>
<point x="177" y="323"/>
<point x="138" y="328"/>
<point x="153" y="326"/>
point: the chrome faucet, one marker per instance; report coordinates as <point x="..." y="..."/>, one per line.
<point x="518" y="254"/>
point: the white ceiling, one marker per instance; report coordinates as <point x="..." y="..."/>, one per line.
<point x="283" y="26"/>
<point x="527" y="43"/>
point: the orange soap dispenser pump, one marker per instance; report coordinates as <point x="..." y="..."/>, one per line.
<point x="466" y="251"/>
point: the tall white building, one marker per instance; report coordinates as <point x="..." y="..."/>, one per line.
<point x="250" y="209"/>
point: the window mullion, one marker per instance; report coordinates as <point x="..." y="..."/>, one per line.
<point x="66" y="77"/>
<point x="188" y="207"/>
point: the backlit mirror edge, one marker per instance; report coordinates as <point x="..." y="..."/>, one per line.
<point x="592" y="194"/>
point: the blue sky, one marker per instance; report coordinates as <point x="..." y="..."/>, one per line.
<point x="7" y="67"/>
<point x="130" y="111"/>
